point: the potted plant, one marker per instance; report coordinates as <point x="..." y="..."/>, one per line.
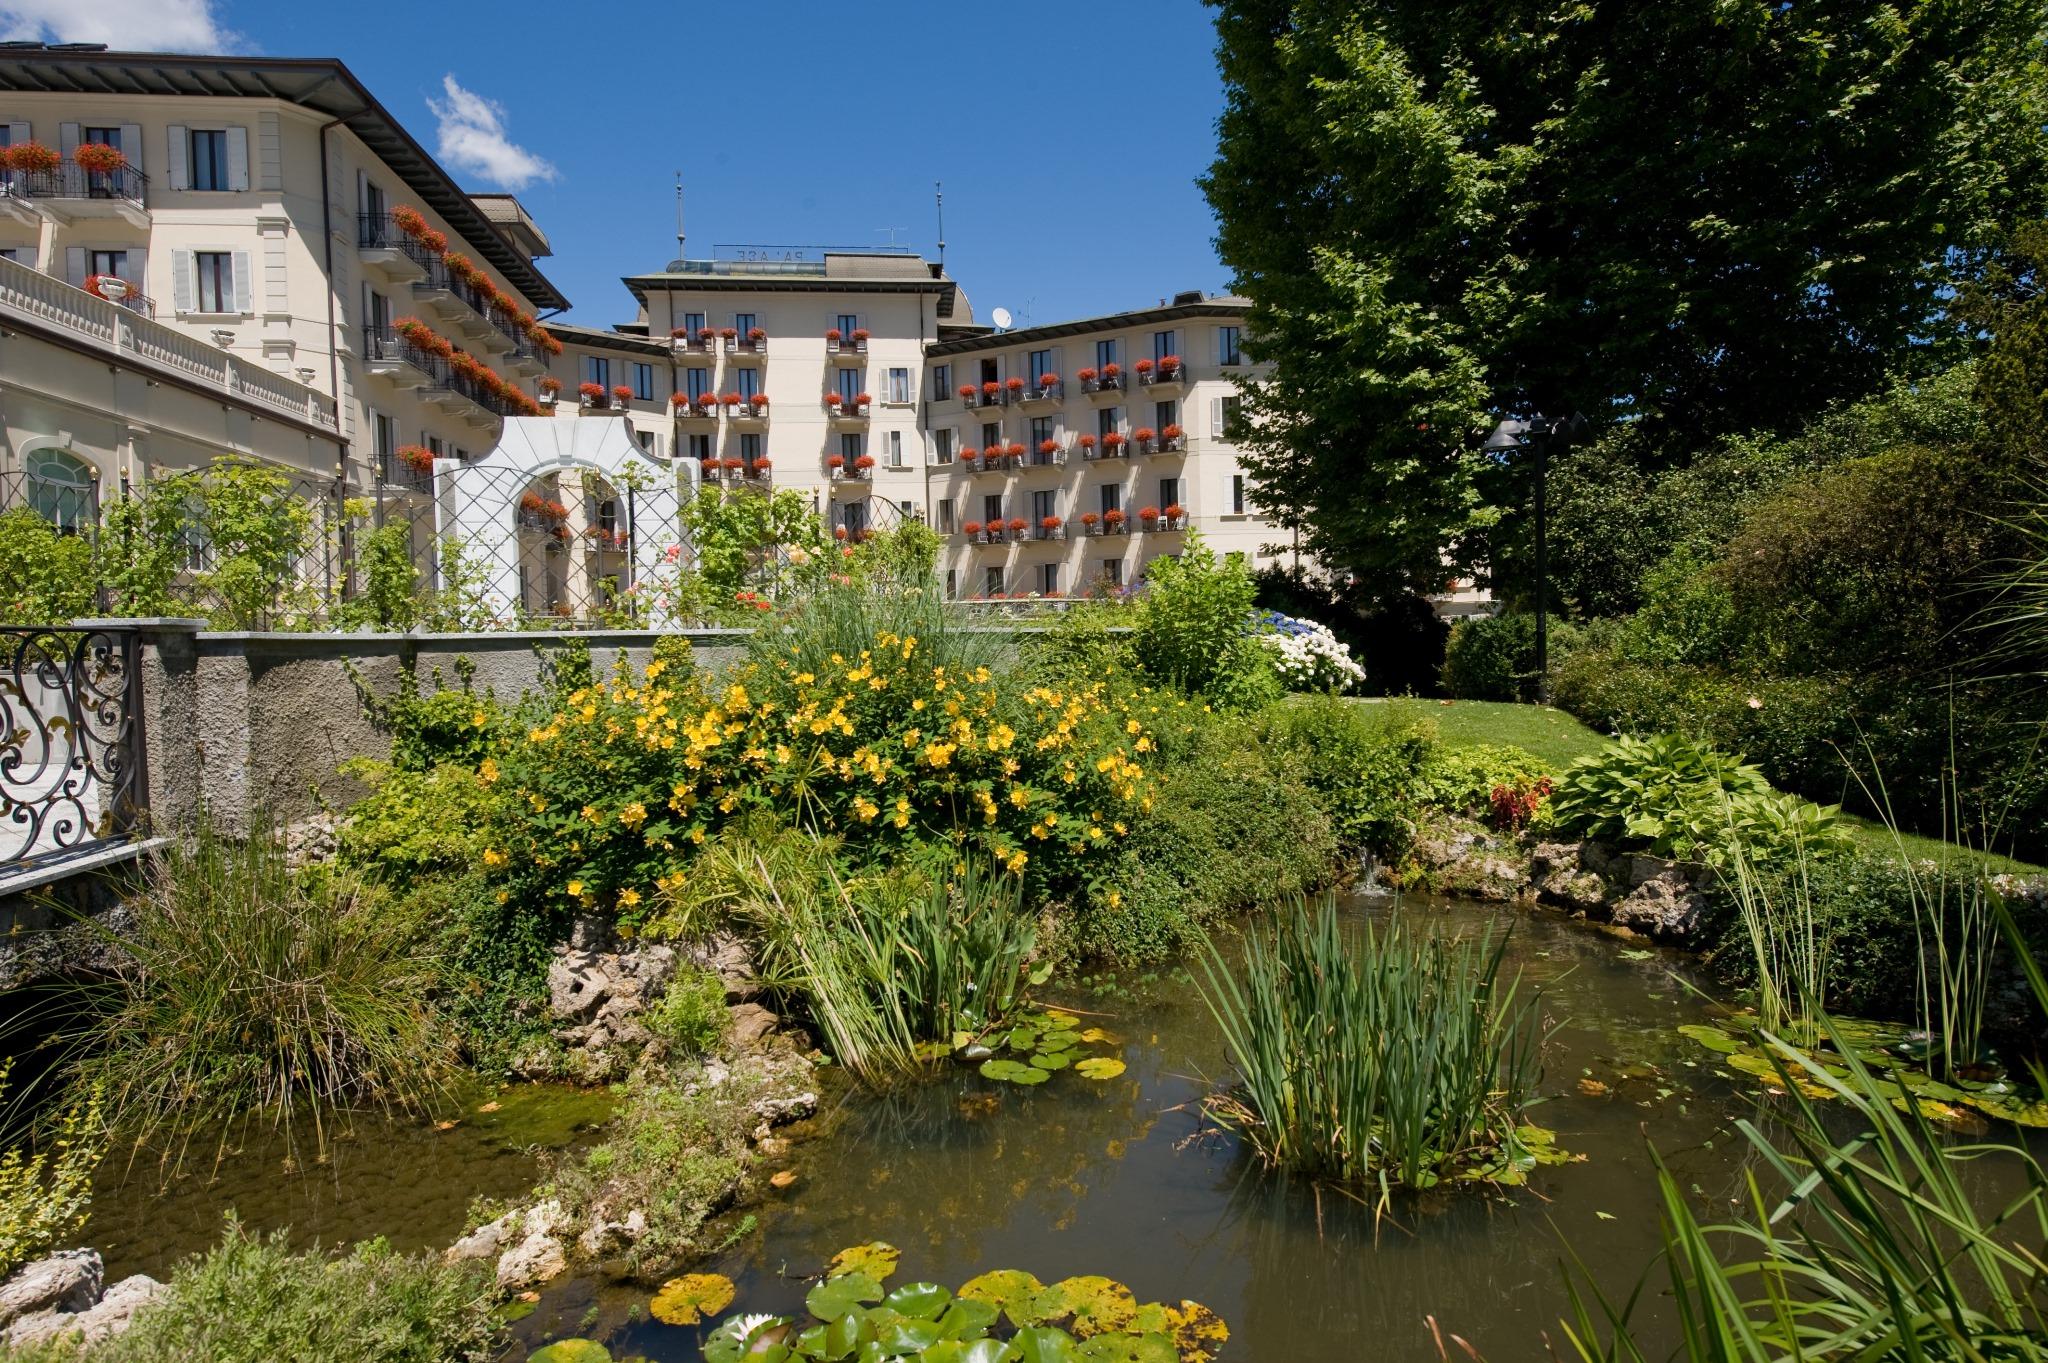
<point x="990" y="391"/>
<point x="1176" y="515"/>
<point x="1144" y="436"/>
<point x="729" y="334"/>
<point x="1014" y="384"/>
<point x="835" y="462"/>
<point x="1091" y="520"/>
<point x="761" y="466"/>
<point x="1113" y="519"/>
<point x="970" y="528"/>
<point x="706" y="335"/>
<point x="1169" y="366"/>
<point x="1087" y="444"/>
<point x="730" y="401"/>
<point x="1112" y="442"/>
<point x="1144" y="368"/>
<point x="966" y="391"/>
<point x="680" y="334"/>
<point x="1048" y="448"/>
<point x="835" y="400"/>
<point x="839" y="532"/>
<point x="710" y="464"/>
<point x="1148" y="515"/>
<point x="759" y="402"/>
<point x="622" y="393"/>
<point x="861" y="402"/>
<point x="864" y="462"/>
<point x="410" y="221"/>
<point x="550" y="387"/>
<point x="860" y="338"/>
<point x="33" y="157"/>
<point x="1086" y="376"/>
<point x="1014" y="451"/>
<point x="1112" y="375"/>
<point x="756" y="337"/>
<point x="679" y="401"/>
<point x="592" y="394"/>
<point x="418" y="458"/>
<point x="705" y="402"/>
<point x="1172" y="437"/>
<point x="1048" y="383"/>
<point x="1049" y="523"/>
<point x="98" y="158"/>
<point x="734" y="464"/>
<point x="1018" y="525"/>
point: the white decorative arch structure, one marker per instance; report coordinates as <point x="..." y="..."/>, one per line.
<point x="478" y="503"/>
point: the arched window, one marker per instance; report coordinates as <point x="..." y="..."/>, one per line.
<point x="61" y="489"/>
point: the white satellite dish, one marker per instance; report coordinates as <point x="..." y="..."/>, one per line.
<point x="1001" y="317"/>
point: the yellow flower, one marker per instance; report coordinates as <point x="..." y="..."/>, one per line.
<point x="633" y="815"/>
<point x="488" y="772"/>
<point x="1115" y="898"/>
<point x="629" y="897"/>
<point x="480" y="719"/>
<point x="1019" y="796"/>
<point x="1131" y="726"/>
<point x="493" y="857"/>
<point x="575" y="889"/>
<point x="866" y="809"/>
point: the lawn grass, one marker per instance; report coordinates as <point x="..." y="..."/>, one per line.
<point x="1560" y="739"/>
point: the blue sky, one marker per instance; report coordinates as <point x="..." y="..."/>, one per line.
<point x="1067" y="134"/>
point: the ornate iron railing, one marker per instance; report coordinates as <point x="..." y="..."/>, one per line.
<point x="73" y="770"/>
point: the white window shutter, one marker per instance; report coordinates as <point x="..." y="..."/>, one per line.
<point x="238" y="162"/>
<point x="1216" y="417"/>
<point x="74" y="266"/>
<point x="182" y="279"/>
<point x="67" y="139"/>
<point x="17" y="133"/>
<point x="131" y="144"/>
<point x="179" y="148"/>
<point x="242" y="303"/>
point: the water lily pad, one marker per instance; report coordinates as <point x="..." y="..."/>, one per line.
<point x="571" y="1351"/>
<point x="1099" y="1067"/>
<point x="691" y="1298"/>
<point x="834" y="1297"/>
<point x="758" y="1338"/>
<point x="1713" y="1038"/>
<point x="1097" y="1304"/>
<point x="1010" y="1290"/>
<point x="516" y="1309"/>
<point x="1098" y="1035"/>
<point x="1052" y="1060"/>
<point x="918" y="1301"/>
<point x="1058" y="1018"/>
<point x="1041" y="1344"/>
<point x="1124" y="1347"/>
<point x="1023" y="1039"/>
<point x="1013" y="1072"/>
<point x="1058" y="1041"/>
<point x="908" y="1337"/>
<point x="877" y="1259"/>
<point x="1197" y="1331"/>
<point x="966" y="1318"/>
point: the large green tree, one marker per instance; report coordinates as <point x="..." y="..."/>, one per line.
<point x="1697" y="217"/>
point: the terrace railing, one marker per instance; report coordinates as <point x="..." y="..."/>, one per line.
<point x="73" y="767"/>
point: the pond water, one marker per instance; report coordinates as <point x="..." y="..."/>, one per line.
<point x="407" y="1181"/>
<point x="1125" y="1179"/>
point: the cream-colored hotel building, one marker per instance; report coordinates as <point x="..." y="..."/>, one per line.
<point x="208" y="255"/>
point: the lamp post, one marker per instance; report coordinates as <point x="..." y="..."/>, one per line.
<point x="1536" y="434"/>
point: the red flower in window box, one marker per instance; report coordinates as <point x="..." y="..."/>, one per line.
<point x="731" y="400"/>
<point x="409" y="220"/>
<point x="1172" y="433"/>
<point x="1049" y="523"/>
<point x="833" y="335"/>
<point x="735" y="465"/>
<point x="1085" y="375"/>
<point x="728" y="333"/>
<point x="862" y="399"/>
<point x="1174" y="511"/>
<point x="623" y="393"/>
<point x="98" y="158"/>
<point x="593" y="393"/>
<point x="679" y="400"/>
<point x="756" y="335"/>
<point x="706" y="401"/>
<point x="1143" y="366"/>
<point x="707" y="334"/>
<point x="1048" y="447"/>
<point x="711" y="463"/>
<point x="1015" y="384"/>
<point x="1090" y="519"/>
<point x="416" y="457"/>
<point x="1111" y="371"/>
<point x="762" y="465"/>
<point x="1113" y="516"/>
<point x="436" y="242"/>
<point x="1048" y="382"/>
<point x="759" y="401"/>
<point x="1087" y="442"/>
<point x="1169" y="364"/>
<point x="835" y="400"/>
<point x="968" y="454"/>
<point x="970" y="527"/>
<point x="865" y="461"/>
<point x="966" y="391"/>
<point x="839" y="532"/>
<point x="1148" y="514"/>
<point x="860" y="334"/>
<point x="1144" y="435"/>
<point x="1018" y="525"/>
<point x="1015" y="449"/>
<point x="835" y="461"/>
<point x="550" y="385"/>
<point x="1114" y="440"/>
<point x="679" y="334"/>
<point x="991" y="388"/>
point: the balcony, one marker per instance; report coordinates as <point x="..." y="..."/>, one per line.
<point x="1108" y="381"/>
<point x="988" y="395"/>
<point x="703" y="343"/>
<point x="1045" y="391"/>
<point x="1111" y="446"/>
<point x="1171" y="440"/>
<point x="1167" y="373"/>
<point x="845" y="348"/>
<point x="1050" y="454"/>
<point x="387" y="355"/>
<point x="859" y="469"/>
<point x="1099" y="524"/>
<point x="848" y="412"/>
<point x="69" y="192"/>
<point x="699" y="413"/>
<point x="750" y="413"/>
<point x="383" y="243"/>
<point x="751" y="348"/>
<point x="1049" y="528"/>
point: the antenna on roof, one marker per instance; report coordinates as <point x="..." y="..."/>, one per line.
<point x="680" y="252"/>
<point x="939" y="198"/>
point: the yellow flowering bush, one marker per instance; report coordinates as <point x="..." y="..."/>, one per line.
<point x="886" y="744"/>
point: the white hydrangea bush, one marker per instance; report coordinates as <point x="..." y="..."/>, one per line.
<point x="1306" y="655"/>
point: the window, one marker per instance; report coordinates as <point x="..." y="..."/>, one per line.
<point x="1162" y="344"/>
<point x="1165" y="414"/>
<point x="1112" y="496"/>
<point x="209" y="158"/>
<point x="1169" y="492"/>
<point x="943" y="513"/>
<point x="696" y="382"/>
<point x="854" y="516"/>
<point x="1043" y="428"/>
<point x="992" y="507"/>
<point x="1042" y="505"/>
<point x="1109" y="421"/>
<point x="598" y="370"/>
<point x="433" y="444"/>
<point x="1105" y="353"/>
<point x="693" y="322"/>
<point x="1113" y="571"/>
<point x="942" y="380"/>
<point x="895" y="449"/>
<point x="1237" y="494"/>
<point x="376" y="313"/>
<point x="646" y="440"/>
<point x="643" y="382"/>
<point x="374" y="203"/>
<point x="1227" y="410"/>
<point x="215" y="272"/>
<point x="10" y="252"/>
<point x="942" y="446"/>
<point x="991" y="433"/>
<point x="60" y="489"/>
<point x="952" y="584"/>
<point x="113" y="263"/>
<point x="849" y="447"/>
<point x="750" y="446"/>
<point x="747" y="382"/>
<point x="744" y="323"/>
<point x="700" y="446"/>
<point x="849" y="381"/>
<point x="899" y="385"/>
<point x="992" y="582"/>
<point x="1041" y="365"/>
<point x="991" y="371"/>
<point x="1228" y="349"/>
<point x="384" y="436"/>
<point x="1049" y="579"/>
<point x="462" y="454"/>
<point x="847" y="323"/>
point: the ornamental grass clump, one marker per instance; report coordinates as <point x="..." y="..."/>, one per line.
<point x="1378" y="1059"/>
<point x="248" y="990"/>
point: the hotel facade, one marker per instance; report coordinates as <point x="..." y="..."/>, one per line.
<point x="211" y="255"/>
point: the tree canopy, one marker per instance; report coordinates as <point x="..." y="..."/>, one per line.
<point x="1693" y="217"/>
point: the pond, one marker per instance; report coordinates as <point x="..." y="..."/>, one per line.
<point x="1125" y="1179"/>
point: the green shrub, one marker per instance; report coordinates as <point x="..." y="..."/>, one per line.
<point x="247" y="990"/>
<point x="250" y="1300"/>
<point x="444" y="724"/>
<point x="1362" y="764"/>
<point x="44" y="1194"/>
<point x="1493" y="657"/>
<point x="46" y="578"/>
<point x="389" y="598"/>
<point x="691" y="1014"/>
<point x="1192" y="629"/>
<point x="494" y="955"/>
<point x="1462" y="780"/>
<point x="416" y="822"/>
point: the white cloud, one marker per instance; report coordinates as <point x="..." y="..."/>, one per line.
<point x="124" y="25"/>
<point x="473" y="139"/>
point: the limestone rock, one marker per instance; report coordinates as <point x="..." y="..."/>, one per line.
<point x="69" y="1280"/>
<point x="779" y="1111"/>
<point x="485" y="1242"/>
<point x="752" y="1028"/>
<point x="312" y="839"/>
<point x="1562" y="879"/>
<point x="1665" y="906"/>
<point x="88" y="1317"/>
<point x="732" y="960"/>
<point x="539" y="1255"/>
<point x="604" y="1239"/>
<point x="600" y="997"/>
